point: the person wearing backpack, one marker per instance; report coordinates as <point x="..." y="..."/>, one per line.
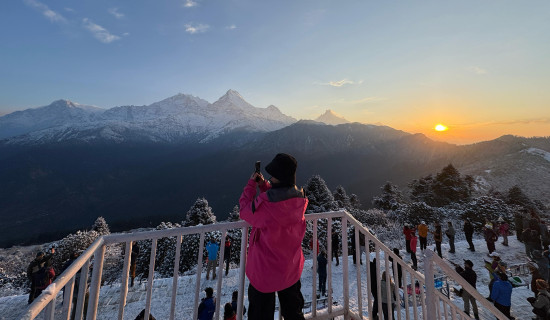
<point x="207" y="307"/>
<point x="541" y="304"/>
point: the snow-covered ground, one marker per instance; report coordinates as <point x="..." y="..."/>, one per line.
<point x="14" y="306"/>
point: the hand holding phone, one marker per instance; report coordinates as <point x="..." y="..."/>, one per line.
<point x="257" y="169"/>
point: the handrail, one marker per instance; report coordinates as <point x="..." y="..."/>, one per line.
<point x="429" y="302"/>
<point x="467" y="286"/>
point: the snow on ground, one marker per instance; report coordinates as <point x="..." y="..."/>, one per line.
<point x="539" y="152"/>
<point x="14" y="306"/>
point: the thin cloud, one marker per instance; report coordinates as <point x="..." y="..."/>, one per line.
<point x="69" y="9"/>
<point x="477" y="70"/>
<point x="367" y="100"/>
<point x="193" y="29"/>
<point x="46" y="11"/>
<point x="500" y="123"/>
<point x="231" y="27"/>
<point x="189" y="4"/>
<point x="340" y="83"/>
<point x="99" y="32"/>
<point x="115" y="13"/>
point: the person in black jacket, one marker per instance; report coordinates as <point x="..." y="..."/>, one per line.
<point x="374" y="287"/>
<point x="322" y="270"/>
<point x="469" y="233"/>
<point x="227" y="254"/>
<point x="399" y="270"/>
<point x="133" y="262"/>
<point x="471" y="277"/>
<point x="335" y="246"/>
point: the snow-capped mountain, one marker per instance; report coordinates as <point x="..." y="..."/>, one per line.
<point x="57" y="114"/>
<point x="176" y="118"/>
<point x="330" y="117"/>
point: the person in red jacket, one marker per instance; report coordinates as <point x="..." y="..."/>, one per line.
<point x="407" y="231"/>
<point x="275" y="258"/>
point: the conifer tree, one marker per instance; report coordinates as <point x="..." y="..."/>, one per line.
<point x="341" y="198"/>
<point x="199" y="213"/>
<point x="101" y="227"/>
<point x="390" y="199"/>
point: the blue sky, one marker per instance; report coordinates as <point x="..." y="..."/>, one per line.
<point x="479" y="67"/>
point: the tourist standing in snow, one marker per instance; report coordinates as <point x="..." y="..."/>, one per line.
<point x="407" y="229"/>
<point x="423" y="235"/>
<point x="450" y="232"/>
<point x="36" y="272"/>
<point x="133" y="262"/>
<point x="207" y="307"/>
<point x="227" y="254"/>
<point x="335" y="246"/>
<point x="438" y="238"/>
<point x="322" y="271"/>
<point x="518" y="222"/>
<point x="413" y="250"/>
<point x="469" y="233"/>
<point x="503" y="229"/>
<point x="387" y="304"/>
<point x="490" y="236"/>
<point x="399" y="269"/>
<point x="234" y="302"/>
<point x="275" y="258"/>
<point x="502" y="293"/>
<point x="228" y="312"/>
<point x="471" y="277"/>
<point x="535" y="275"/>
<point x="541" y="304"/>
<point x="212" y="248"/>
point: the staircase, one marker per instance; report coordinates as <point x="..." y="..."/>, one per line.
<point x="427" y="302"/>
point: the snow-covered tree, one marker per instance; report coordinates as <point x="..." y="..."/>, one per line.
<point x="73" y="243"/>
<point x="342" y="198"/>
<point x="101" y="227"/>
<point x="166" y="251"/>
<point x="319" y="196"/>
<point x="234" y="215"/>
<point x="390" y="199"/>
<point x="354" y="201"/>
<point x="199" y="213"/>
<point x="516" y="196"/>
<point x="450" y="187"/>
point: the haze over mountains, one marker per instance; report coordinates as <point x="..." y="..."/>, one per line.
<point x="65" y="164"/>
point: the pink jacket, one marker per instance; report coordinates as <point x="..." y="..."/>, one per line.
<point x="503" y="228"/>
<point x="275" y="259"/>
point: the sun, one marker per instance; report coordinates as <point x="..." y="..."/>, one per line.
<point x="440" y="127"/>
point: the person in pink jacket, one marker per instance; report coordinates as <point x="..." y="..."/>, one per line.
<point x="414" y="240"/>
<point x="275" y="258"/>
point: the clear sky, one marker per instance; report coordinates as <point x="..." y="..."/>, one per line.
<point x="482" y="68"/>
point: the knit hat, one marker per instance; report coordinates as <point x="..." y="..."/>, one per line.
<point x="469" y="263"/>
<point x="542" y="284"/>
<point x="283" y="167"/>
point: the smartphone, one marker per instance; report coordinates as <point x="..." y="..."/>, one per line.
<point x="257" y="168"/>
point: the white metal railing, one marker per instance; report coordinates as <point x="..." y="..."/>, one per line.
<point x="427" y="303"/>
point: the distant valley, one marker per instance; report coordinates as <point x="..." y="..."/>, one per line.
<point x="64" y="164"/>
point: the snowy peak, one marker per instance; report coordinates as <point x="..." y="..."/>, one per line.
<point x="331" y="118"/>
<point x="176" y="118"/>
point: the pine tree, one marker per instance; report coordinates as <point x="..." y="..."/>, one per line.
<point x="449" y="187"/>
<point x="234" y="215"/>
<point x="166" y="251"/>
<point x="199" y="213"/>
<point x="390" y="199"/>
<point x="487" y="208"/>
<point x="341" y="198"/>
<point x="101" y="227"/>
<point x="319" y="196"/>
<point x="354" y="201"/>
<point x="516" y="196"/>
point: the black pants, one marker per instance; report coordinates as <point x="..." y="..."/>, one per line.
<point x="413" y="258"/>
<point x="408" y="245"/>
<point x="423" y="243"/>
<point x="227" y="266"/>
<point x="503" y="309"/>
<point x="335" y="254"/>
<point x="323" y="283"/>
<point x="438" y="248"/>
<point x="262" y="305"/>
<point x="470" y="242"/>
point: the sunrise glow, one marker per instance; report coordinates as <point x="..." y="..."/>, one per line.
<point x="440" y="127"/>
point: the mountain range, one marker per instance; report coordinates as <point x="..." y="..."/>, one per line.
<point x="65" y="164"/>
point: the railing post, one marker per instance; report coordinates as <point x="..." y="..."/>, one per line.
<point x="329" y="264"/>
<point x="125" y="275"/>
<point x="95" y="285"/>
<point x="430" y="285"/>
<point x="176" y="276"/>
<point x="345" y="268"/>
<point x="242" y="265"/>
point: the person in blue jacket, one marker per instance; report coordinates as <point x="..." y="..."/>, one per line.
<point x="212" y="248"/>
<point x="502" y="293"/>
<point x="207" y="307"/>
